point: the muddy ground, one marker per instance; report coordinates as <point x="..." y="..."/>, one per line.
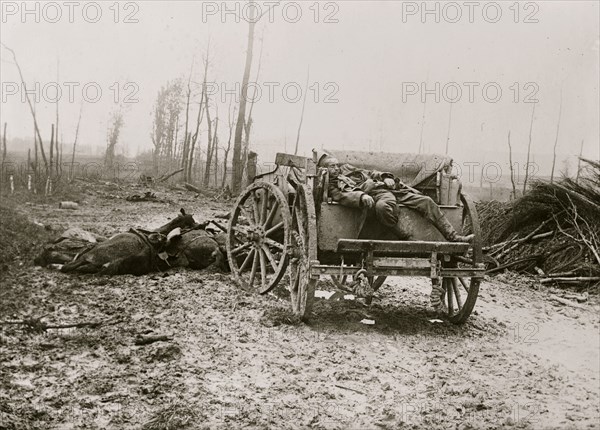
<point x="239" y="360"/>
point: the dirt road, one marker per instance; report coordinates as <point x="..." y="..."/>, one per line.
<point x="238" y="360"/>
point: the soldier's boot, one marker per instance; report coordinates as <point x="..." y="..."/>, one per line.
<point x="444" y="226"/>
<point x="400" y="233"/>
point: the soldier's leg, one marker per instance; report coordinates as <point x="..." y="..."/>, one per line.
<point x="386" y="208"/>
<point x="386" y="212"/>
<point x="422" y="204"/>
<point x="430" y="210"/>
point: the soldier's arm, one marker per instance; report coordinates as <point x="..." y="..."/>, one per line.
<point x="345" y="198"/>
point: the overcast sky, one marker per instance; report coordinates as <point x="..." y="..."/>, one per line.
<point x="367" y="62"/>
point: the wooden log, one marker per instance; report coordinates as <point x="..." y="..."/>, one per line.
<point x="165" y="177"/>
<point x="148" y="339"/>
<point x="571" y="279"/>
<point x="190" y="187"/>
<point x="567" y="302"/>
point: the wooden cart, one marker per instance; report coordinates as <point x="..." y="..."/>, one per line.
<point x="285" y="228"/>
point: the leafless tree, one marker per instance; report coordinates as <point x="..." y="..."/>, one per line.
<point x="241" y="121"/>
<point x="449" y="124"/>
<point x="116" y="123"/>
<point x="528" y="150"/>
<point x="194" y="137"/>
<point x="4" y="144"/>
<point x="512" y="173"/>
<point x="556" y="138"/>
<point x="56" y="139"/>
<point x="579" y="162"/>
<point x="216" y="149"/>
<point x="51" y="149"/>
<point x="165" y="121"/>
<point x="186" y="141"/>
<point x="209" y="144"/>
<point x="75" y="144"/>
<point x="231" y="123"/>
<point x="37" y="129"/>
<point x="249" y="122"/>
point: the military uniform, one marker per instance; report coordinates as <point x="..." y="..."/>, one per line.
<point x="349" y="187"/>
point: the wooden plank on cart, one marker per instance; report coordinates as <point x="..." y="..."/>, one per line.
<point x="400" y="247"/>
<point x="282" y="159"/>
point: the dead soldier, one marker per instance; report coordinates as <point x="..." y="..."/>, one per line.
<point x="354" y="187"/>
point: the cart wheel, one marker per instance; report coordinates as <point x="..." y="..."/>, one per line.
<point x="257" y="237"/>
<point x="303" y="244"/>
<point x="460" y="293"/>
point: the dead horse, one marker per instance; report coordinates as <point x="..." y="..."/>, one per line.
<point x="134" y="252"/>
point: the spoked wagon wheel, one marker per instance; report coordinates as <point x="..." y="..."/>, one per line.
<point x="257" y="237"/>
<point x="460" y="294"/>
<point x="303" y="244"/>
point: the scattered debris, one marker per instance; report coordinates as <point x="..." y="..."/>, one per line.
<point x="322" y="294"/>
<point x="350" y="389"/>
<point x="37" y="325"/>
<point x="552" y="232"/>
<point x="68" y="205"/>
<point x="566" y="302"/>
<point x="148" y="339"/>
<point x="190" y="187"/>
<point x="166" y="176"/>
<point x="147" y="197"/>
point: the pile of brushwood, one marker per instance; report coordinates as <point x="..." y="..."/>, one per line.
<point x="553" y="231"/>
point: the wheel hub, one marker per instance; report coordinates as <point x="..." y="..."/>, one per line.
<point x="256" y="234"/>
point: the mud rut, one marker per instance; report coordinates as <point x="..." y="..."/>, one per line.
<point x="242" y="361"/>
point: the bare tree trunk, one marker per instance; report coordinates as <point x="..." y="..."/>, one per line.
<point x="302" y="114"/>
<point x="249" y="122"/>
<point x="56" y="129"/>
<point x="528" y="151"/>
<point x="209" y="144"/>
<point x="37" y="130"/>
<point x="4" y="154"/>
<point x="4" y="145"/>
<point x="75" y="144"/>
<point x="51" y="148"/>
<point x="512" y="174"/>
<point x="579" y="162"/>
<point x="556" y="139"/>
<point x="186" y="147"/>
<point x="35" y="169"/>
<point x="238" y="167"/>
<point x="195" y="137"/>
<point x="216" y="150"/>
<point x="449" y="124"/>
<point x="200" y="114"/>
<point x="231" y="124"/>
<point x="27" y="170"/>
<point x="174" y="151"/>
<point x="60" y="160"/>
